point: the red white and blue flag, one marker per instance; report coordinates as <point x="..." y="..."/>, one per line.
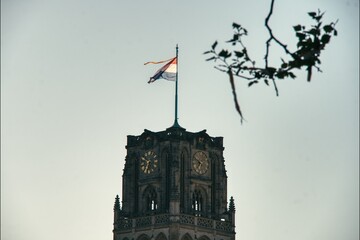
<point x="167" y="72"/>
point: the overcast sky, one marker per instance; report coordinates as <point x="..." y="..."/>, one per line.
<point x="73" y="86"/>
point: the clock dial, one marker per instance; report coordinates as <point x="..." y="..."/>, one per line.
<point x="148" y="162"/>
<point x="200" y="162"/>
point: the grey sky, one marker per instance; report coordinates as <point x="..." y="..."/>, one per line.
<point x="73" y="86"/>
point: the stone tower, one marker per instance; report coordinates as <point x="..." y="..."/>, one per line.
<point x="174" y="188"/>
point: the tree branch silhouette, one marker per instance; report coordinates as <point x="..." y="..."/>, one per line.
<point x="311" y="42"/>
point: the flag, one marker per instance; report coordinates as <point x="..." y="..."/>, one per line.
<point x="167" y="72"/>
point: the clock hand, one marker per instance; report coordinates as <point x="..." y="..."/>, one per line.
<point x="147" y="166"/>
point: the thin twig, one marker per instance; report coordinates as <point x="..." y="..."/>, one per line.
<point x="237" y="106"/>
<point x="270" y="32"/>
<point x="276" y="89"/>
<point x="272" y="37"/>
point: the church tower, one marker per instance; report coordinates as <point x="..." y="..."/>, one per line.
<point x="174" y="188"/>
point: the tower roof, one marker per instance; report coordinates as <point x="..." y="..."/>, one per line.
<point x="175" y="133"/>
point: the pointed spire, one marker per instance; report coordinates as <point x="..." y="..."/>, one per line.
<point x="232" y="205"/>
<point x="117" y="203"/>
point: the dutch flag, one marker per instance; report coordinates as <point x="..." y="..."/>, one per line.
<point x="167" y="72"/>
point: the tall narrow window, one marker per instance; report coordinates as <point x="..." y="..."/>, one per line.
<point x="153" y="205"/>
<point x="182" y="182"/>
<point x="197" y="202"/>
<point x="151" y="199"/>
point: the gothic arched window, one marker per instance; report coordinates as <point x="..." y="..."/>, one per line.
<point x="204" y="238"/>
<point x="161" y="236"/>
<point x="150" y="197"/>
<point x="186" y="237"/>
<point x="143" y="237"/>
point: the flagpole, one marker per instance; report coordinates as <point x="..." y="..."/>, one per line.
<point x="176" y="124"/>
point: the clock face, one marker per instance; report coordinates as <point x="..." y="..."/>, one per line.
<point x="148" y="162"/>
<point x="200" y="162"/>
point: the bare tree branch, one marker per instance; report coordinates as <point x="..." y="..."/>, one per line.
<point x="237" y="63"/>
